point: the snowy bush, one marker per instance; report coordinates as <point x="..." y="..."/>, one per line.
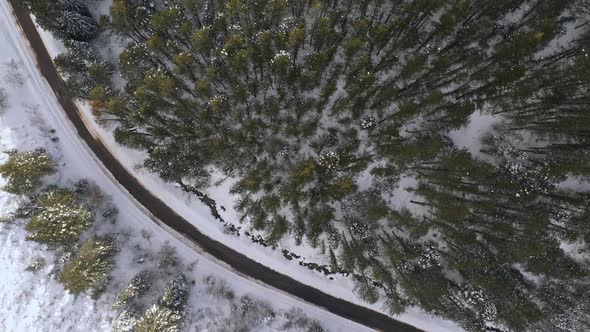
<point x="7" y="218"/>
<point x="218" y="288"/>
<point x="298" y="321"/>
<point x="92" y="196"/>
<point x="3" y="100"/>
<point x="368" y="123"/>
<point x="37" y="264"/>
<point x="329" y="160"/>
<point x="167" y="258"/>
<point x="110" y="214"/>
<point x="248" y="314"/>
<point x="13" y="75"/>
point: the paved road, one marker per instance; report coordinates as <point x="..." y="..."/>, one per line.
<point x="164" y="213"/>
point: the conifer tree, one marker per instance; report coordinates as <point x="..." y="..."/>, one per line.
<point x="67" y="19"/>
<point x="137" y="287"/>
<point x="91" y="266"/>
<point x="59" y="219"/>
<point x="24" y="170"/>
<point x="168" y="314"/>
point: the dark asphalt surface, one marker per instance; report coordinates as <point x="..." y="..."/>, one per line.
<point x="163" y="212"/>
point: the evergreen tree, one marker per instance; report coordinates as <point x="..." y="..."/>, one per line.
<point x="67" y="19"/>
<point x="84" y="70"/>
<point x="78" y="26"/>
<point x="90" y="268"/>
<point x="168" y="314"/>
<point x="125" y="321"/>
<point x="159" y="319"/>
<point x="136" y="288"/>
<point x="58" y="219"/>
<point x="23" y="171"/>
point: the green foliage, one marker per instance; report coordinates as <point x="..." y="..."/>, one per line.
<point x="59" y="219"/>
<point x="83" y="69"/>
<point x="167" y="315"/>
<point x="91" y="266"/>
<point x="24" y="170"/>
<point x="159" y="319"/>
<point x="136" y="288"/>
<point x="366" y="291"/>
<point x="67" y="19"/>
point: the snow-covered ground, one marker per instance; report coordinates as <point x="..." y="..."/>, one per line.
<point x="35" y="301"/>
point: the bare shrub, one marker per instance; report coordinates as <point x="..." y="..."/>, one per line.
<point x="218" y="288"/>
<point x="13" y="74"/>
<point x="3" y="100"/>
<point x="167" y="258"/>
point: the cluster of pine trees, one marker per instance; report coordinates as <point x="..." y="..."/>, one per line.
<point x="167" y="314"/>
<point x="319" y="107"/>
<point x="62" y="219"/>
<point x="136" y="312"/>
<point x="58" y="217"/>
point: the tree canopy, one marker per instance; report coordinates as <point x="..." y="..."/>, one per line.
<point x="322" y="110"/>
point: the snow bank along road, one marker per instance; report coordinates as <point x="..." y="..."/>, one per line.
<point x="238" y="261"/>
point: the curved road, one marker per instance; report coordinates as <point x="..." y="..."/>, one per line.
<point x="164" y="213"/>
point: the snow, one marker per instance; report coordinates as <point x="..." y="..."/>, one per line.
<point x="33" y="110"/>
<point x="56" y="46"/>
<point x="35" y="301"/>
<point x="571" y="33"/>
<point x="402" y="196"/>
<point x="470" y="136"/>
<point x="31" y="301"/>
<point x="575" y="184"/>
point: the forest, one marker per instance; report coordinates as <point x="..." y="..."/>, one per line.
<point x="322" y="107"/>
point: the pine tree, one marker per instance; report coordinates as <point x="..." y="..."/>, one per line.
<point x="67" y="19"/>
<point x="83" y="69"/>
<point x="58" y="219"/>
<point x="167" y="315"/>
<point x="136" y="288"/>
<point x="91" y="266"/>
<point x="366" y="291"/>
<point x="159" y="319"/>
<point x="78" y="26"/>
<point x="125" y="321"/>
<point x="23" y="171"/>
